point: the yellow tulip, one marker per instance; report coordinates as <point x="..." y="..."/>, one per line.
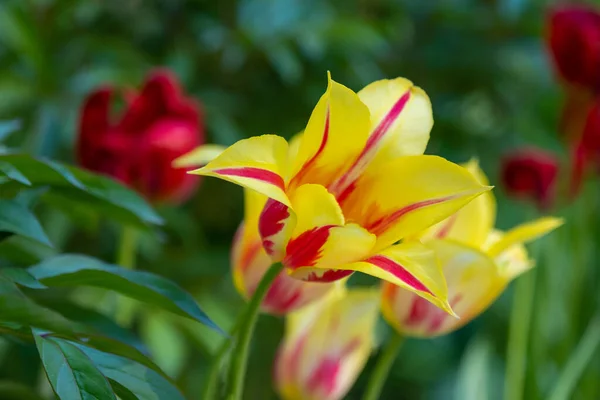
<point x="326" y="346"/>
<point x="477" y="261"/>
<point x="353" y="185"/>
<point x="250" y="262"/>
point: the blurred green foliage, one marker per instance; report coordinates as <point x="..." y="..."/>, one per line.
<point x="259" y="66"/>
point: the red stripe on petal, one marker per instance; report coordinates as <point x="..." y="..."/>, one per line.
<point x="340" y="187"/>
<point x="306" y="249"/>
<point x="445" y="230"/>
<point x="398" y="271"/>
<point x="308" y="165"/>
<point x="380" y="225"/>
<point x="329" y="275"/>
<point x="271" y="222"/>
<point x="254" y="173"/>
<point x="324" y="378"/>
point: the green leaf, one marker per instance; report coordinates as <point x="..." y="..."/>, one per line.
<point x="13" y="173"/>
<point x="122" y="391"/>
<point x="21" y="277"/>
<point x="71" y="373"/>
<point x="8" y="127"/>
<point x="17" y="308"/>
<point x="141" y="381"/>
<point x="72" y="185"/>
<point x="76" y="270"/>
<point x="19" y="220"/>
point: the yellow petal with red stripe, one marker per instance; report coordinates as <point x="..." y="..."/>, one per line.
<point x="412" y="266"/>
<point x="258" y="163"/>
<point x="473" y="284"/>
<point x="335" y="134"/>
<point x="401" y="119"/>
<point x="471" y="224"/>
<point x="524" y="233"/>
<point x="513" y="261"/>
<point x="409" y="195"/>
<point x="320" y="239"/>
<point x="325" y="347"/>
<point x="199" y="156"/>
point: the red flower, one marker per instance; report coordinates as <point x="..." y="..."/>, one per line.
<point x="158" y="125"/>
<point x="587" y="151"/>
<point x="531" y="173"/>
<point x="574" y="40"/>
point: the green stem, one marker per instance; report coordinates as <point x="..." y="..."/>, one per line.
<point x="518" y="335"/>
<point x="382" y="368"/>
<point x="217" y="363"/>
<point x="126" y="259"/>
<point x="580" y="358"/>
<point x="239" y="361"/>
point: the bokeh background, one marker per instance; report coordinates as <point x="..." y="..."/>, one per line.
<point x="259" y="66"/>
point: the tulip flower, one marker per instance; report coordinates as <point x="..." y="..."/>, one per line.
<point x="574" y="34"/>
<point x="326" y="346"/>
<point x="531" y="173"/>
<point x="158" y="125"/>
<point x="587" y="151"/>
<point x="353" y="185"/>
<point x="250" y="262"/>
<point x="478" y="263"/>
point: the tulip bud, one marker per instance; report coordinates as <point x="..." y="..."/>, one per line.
<point x="326" y="345"/>
<point x="573" y="39"/>
<point x="531" y="173"/>
<point x="157" y="126"/>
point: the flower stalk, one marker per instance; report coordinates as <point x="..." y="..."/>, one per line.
<point x="126" y="258"/>
<point x="239" y="360"/>
<point x="383" y="366"/>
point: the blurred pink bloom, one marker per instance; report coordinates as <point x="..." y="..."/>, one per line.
<point x="158" y="125"/>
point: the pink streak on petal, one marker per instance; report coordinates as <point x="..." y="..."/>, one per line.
<point x="310" y="163"/>
<point x="254" y="173"/>
<point x="398" y="271"/>
<point x="349" y="178"/>
<point x="382" y="224"/>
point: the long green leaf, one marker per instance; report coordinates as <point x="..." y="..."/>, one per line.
<point x="73" y="184"/>
<point x="19" y="220"/>
<point x="17" y="308"/>
<point x="76" y="270"/>
<point x="140" y="380"/>
<point x="71" y="372"/>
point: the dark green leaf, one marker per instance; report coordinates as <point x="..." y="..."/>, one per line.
<point x="122" y="391"/>
<point x="21" y="277"/>
<point x="71" y="373"/>
<point x="75" y="270"/>
<point x="143" y="382"/>
<point x="70" y="183"/>
<point x="19" y="220"/>
<point x="17" y="308"/>
<point x="12" y="173"/>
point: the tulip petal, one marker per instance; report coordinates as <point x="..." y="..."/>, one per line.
<point x="335" y="134"/>
<point x="320" y="239"/>
<point x="257" y="163"/>
<point x="275" y="226"/>
<point x="326" y="346"/>
<point x="524" y="233"/>
<point x="201" y="155"/>
<point x="409" y="265"/>
<point x="409" y="195"/>
<point x="473" y="284"/>
<point x="401" y="119"/>
<point x="472" y="223"/>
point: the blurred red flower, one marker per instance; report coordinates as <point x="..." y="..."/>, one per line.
<point x="531" y="173"/>
<point x="158" y="125"/>
<point x="586" y="153"/>
<point x="574" y="41"/>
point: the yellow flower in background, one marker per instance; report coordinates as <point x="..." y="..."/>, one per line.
<point x="477" y="261"/>
<point x="250" y="262"/>
<point x="326" y="345"/>
<point x="353" y="185"/>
